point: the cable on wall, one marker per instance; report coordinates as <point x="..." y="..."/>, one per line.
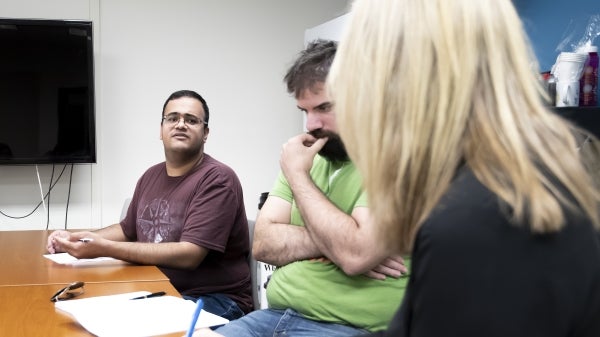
<point x="40" y="203"/>
<point x="37" y="171"/>
<point x="48" y="195"/>
<point x="68" y="196"/>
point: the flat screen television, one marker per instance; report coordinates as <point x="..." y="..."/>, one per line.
<point x="46" y="92"/>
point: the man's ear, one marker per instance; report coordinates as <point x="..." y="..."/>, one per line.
<point x="206" y="132"/>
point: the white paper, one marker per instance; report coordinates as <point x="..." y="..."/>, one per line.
<point x="68" y="259"/>
<point x="118" y="315"/>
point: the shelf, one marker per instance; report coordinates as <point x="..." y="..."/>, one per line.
<point x="585" y="117"/>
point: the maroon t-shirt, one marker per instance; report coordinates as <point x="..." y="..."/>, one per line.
<point x="204" y="207"/>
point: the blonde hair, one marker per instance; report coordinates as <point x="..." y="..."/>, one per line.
<point x="422" y="87"/>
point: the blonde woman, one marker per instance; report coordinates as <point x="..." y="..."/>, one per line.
<point x="465" y="167"/>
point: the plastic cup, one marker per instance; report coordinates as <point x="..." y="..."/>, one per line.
<point x="568" y="67"/>
<point x="567" y="93"/>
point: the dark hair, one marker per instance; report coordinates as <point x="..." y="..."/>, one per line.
<point x="311" y="66"/>
<point x="191" y="94"/>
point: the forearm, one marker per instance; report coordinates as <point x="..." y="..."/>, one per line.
<point x="279" y="244"/>
<point x="338" y="235"/>
<point x="113" y="232"/>
<point x="181" y="255"/>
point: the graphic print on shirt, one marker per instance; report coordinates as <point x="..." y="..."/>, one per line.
<point x="158" y="223"/>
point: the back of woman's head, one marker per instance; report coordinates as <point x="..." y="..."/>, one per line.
<point x="431" y="84"/>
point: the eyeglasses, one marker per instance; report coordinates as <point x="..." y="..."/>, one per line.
<point x="173" y="119"/>
<point x="67" y="292"/>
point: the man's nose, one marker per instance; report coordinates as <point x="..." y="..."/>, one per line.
<point x="313" y="122"/>
<point x="181" y="123"/>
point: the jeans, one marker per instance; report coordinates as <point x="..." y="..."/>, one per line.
<point x="276" y="323"/>
<point x="220" y="305"/>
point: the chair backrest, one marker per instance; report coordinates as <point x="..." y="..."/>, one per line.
<point x="125" y="208"/>
<point x="254" y="271"/>
<point x="260" y="274"/>
<point x="260" y="271"/>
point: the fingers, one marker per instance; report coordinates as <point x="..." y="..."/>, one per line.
<point x="62" y="244"/>
<point x="318" y="144"/>
<point x="392" y="266"/>
<point x="80" y="235"/>
<point x="395" y="263"/>
<point x="387" y="271"/>
<point x="51" y="243"/>
<point x="305" y="138"/>
<point x="397" y="258"/>
<point x="304" y="143"/>
<point x="309" y="141"/>
<point x="58" y="245"/>
<point x="297" y="157"/>
<point x="73" y="246"/>
<point x="65" y="242"/>
<point x="375" y="275"/>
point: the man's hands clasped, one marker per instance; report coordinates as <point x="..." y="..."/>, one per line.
<point x="67" y="242"/>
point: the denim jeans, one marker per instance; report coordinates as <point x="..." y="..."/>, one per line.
<point x="276" y="323"/>
<point x="220" y="305"/>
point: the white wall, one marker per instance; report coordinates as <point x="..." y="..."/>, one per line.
<point x="233" y="52"/>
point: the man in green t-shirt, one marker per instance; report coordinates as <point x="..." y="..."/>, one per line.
<point x="331" y="280"/>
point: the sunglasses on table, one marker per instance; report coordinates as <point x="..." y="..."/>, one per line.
<point x="72" y="290"/>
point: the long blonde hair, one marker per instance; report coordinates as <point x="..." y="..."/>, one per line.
<point x="422" y="86"/>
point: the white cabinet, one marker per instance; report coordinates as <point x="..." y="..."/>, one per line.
<point x="330" y="30"/>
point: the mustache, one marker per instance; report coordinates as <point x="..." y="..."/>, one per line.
<point x="334" y="149"/>
<point x="318" y="133"/>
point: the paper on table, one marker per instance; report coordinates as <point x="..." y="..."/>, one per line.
<point x="66" y="258"/>
<point x="118" y="315"/>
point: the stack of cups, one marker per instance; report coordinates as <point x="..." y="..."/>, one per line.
<point x="567" y="70"/>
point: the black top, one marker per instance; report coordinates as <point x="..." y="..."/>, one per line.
<point x="476" y="274"/>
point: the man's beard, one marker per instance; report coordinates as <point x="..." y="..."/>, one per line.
<point x="334" y="150"/>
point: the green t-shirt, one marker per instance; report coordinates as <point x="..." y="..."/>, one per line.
<point x="317" y="288"/>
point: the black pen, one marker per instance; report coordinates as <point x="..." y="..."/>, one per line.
<point x="160" y="293"/>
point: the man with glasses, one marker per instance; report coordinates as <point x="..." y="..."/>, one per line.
<point x="186" y="216"/>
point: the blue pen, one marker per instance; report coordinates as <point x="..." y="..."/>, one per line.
<point x="199" y="306"/>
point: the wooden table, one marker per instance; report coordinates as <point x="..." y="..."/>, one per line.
<point x="28" y="280"/>
<point x="22" y="263"/>
<point x="26" y="311"/>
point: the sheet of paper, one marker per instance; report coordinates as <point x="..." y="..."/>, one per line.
<point x="118" y="315"/>
<point x="66" y="258"/>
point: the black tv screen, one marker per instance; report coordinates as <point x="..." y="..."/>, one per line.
<point x="46" y="92"/>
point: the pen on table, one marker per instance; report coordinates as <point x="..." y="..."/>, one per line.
<point x="86" y="240"/>
<point x="156" y="294"/>
<point x="199" y="306"/>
